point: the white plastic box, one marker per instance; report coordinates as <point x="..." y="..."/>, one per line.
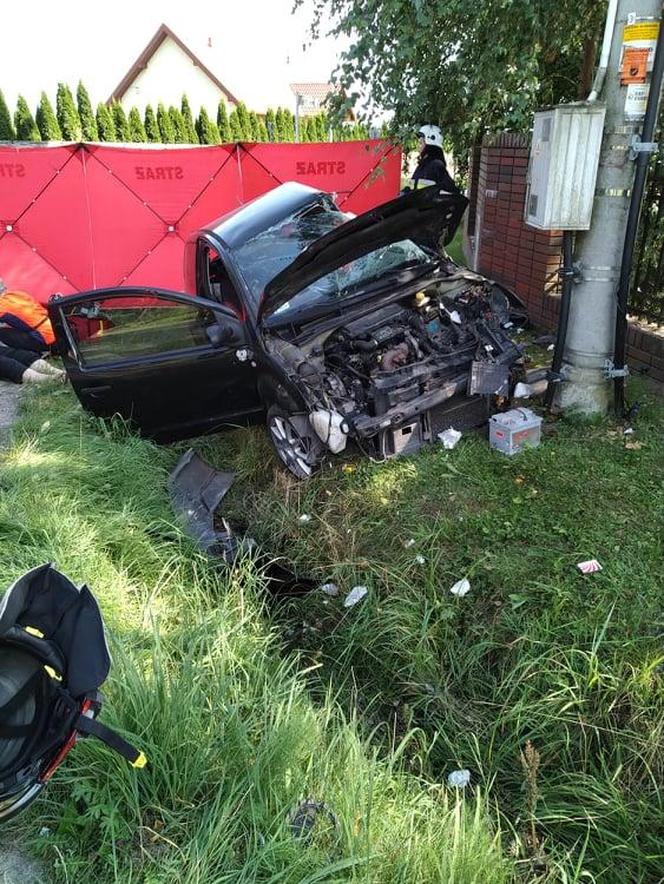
<point x="512" y="431"/>
<point x="562" y="172"/>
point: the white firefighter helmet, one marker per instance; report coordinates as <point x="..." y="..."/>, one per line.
<point x="431" y="135"/>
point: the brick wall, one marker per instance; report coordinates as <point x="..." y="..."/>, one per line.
<point x="520" y="257"/>
<point x="527" y="260"/>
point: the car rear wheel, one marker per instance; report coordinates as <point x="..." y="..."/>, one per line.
<point x="297" y="446"/>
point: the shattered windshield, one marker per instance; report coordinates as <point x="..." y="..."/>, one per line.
<point x="265" y="255"/>
<point x="365" y="272"/>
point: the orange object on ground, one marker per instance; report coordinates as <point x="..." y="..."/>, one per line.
<point x="23" y="312"/>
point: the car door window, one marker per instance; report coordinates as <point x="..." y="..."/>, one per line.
<point x="217" y="283"/>
<point x="110" y="330"/>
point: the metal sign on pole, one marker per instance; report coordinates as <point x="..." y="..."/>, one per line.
<point x="585" y="384"/>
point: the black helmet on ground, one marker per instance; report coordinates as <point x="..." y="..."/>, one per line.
<point x="53" y="660"/>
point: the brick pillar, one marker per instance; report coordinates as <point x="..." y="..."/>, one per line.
<point x="523" y="259"/>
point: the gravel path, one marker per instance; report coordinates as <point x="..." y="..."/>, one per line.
<point x="15" y="867"/>
<point x="9" y="398"/>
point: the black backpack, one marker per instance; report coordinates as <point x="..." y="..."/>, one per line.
<point x="53" y="660"/>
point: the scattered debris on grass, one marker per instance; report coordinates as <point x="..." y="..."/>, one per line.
<point x="408" y="543"/>
<point x="304" y="519"/>
<point x="311" y="817"/>
<point x="419" y="560"/>
<point x="450" y="437"/>
<point x="589" y="567"/>
<point x="461" y="588"/>
<point x="356" y="595"/>
<point x="196" y="490"/>
<point x="330" y="589"/>
<point x="459" y="779"/>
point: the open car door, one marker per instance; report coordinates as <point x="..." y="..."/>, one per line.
<point x="173" y="364"/>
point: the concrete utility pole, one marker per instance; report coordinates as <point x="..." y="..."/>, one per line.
<point x="590" y="337"/>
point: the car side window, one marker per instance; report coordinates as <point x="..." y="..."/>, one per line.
<point x="217" y="282"/>
<point x="112" y="330"/>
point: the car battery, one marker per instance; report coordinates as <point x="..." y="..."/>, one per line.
<point x="512" y="431"/>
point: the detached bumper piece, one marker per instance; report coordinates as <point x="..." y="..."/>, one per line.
<point x="197" y="490"/>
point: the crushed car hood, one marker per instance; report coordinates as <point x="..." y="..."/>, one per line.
<point x="423" y="216"/>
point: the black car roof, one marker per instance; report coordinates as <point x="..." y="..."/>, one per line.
<point x="236" y="227"/>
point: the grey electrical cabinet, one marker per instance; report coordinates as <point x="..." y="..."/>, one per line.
<point x="564" y="156"/>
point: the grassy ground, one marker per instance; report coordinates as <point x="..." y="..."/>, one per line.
<point x="545" y="684"/>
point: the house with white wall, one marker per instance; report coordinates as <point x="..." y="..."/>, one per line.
<point x="165" y="71"/>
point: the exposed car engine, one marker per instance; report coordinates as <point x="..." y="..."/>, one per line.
<point x="401" y="351"/>
<point x="390" y="375"/>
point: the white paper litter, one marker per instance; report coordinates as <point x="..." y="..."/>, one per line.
<point x="450" y="437"/>
<point x="409" y="543"/>
<point x="458" y="778"/>
<point x="461" y="587"/>
<point x="356" y="595"/>
<point x="551" y="347"/>
<point x="522" y="391"/>
<point x="455" y="317"/>
<point x="589" y="567"/>
<point x="304" y="518"/>
<point x="628" y="431"/>
<point x="419" y="560"/>
<point x="330" y="589"/>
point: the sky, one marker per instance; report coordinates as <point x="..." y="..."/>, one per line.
<point x="256" y="51"/>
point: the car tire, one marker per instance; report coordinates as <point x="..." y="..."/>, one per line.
<point x="297" y="446"/>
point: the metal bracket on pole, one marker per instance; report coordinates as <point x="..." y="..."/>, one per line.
<point x="611" y="372"/>
<point x="636" y="146"/>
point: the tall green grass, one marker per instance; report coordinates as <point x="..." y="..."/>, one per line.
<point x="238" y="729"/>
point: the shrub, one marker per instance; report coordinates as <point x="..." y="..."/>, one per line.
<point x="89" y="131"/>
<point x="68" y="118"/>
<point x="105" y="123"/>
<point x="46" y="120"/>
<point x="24" y="123"/>
<point x="7" y="131"/>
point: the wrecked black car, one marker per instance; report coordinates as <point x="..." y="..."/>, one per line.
<point x="330" y="327"/>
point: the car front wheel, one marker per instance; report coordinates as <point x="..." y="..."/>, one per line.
<point x="298" y="447"/>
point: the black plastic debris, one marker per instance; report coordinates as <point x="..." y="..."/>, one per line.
<point x="196" y="490"/>
<point x="311" y="818"/>
<point x="488" y="379"/>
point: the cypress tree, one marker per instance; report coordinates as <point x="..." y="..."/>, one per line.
<point x="68" y="118"/>
<point x="254" y="127"/>
<point x="208" y="133"/>
<point x="321" y="127"/>
<point x="136" y="128"/>
<point x="122" y="132"/>
<point x="244" y="123"/>
<point x="151" y="126"/>
<point x="179" y="127"/>
<point x="304" y="130"/>
<point x="279" y="130"/>
<point x="105" y="124"/>
<point x="165" y="124"/>
<point x="289" y="125"/>
<point x="26" y="128"/>
<point x="190" y="129"/>
<point x="222" y="123"/>
<point x="46" y="120"/>
<point x="262" y="131"/>
<point x="270" y="125"/>
<point x="234" y="126"/>
<point x="89" y="130"/>
<point x="7" y="132"/>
